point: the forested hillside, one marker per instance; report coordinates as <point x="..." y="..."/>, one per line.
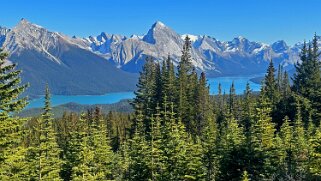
<point x="177" y="131"/>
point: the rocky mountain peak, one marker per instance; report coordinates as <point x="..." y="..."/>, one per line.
<point x="160" y="33"/>
<point x="158" y="24"/>
<point x="279" y="46"/>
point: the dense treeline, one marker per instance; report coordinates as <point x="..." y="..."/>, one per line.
<point x="177" y="132"/>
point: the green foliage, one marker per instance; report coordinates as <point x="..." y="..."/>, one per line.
<point x="245" y="176"/>
<point x="178" y="131"/>
<point x="210" y="147"/>
<point x="12" y="152"/>
<point x="230" y="146"/>
<point x="44" y="154"/>
<point x="307" y="79"/>
<point x="316" y="154"/>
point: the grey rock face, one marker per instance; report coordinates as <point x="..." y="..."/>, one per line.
<point x="3" y="32"/>
<point x="66" y="64"/>
<point x="217" y="58"/>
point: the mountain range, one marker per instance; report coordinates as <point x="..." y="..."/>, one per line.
<point x="110" y="62"/>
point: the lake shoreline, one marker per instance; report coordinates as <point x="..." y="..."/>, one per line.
<point x="114" y="97"/>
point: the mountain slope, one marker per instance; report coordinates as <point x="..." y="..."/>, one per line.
<point x="217" y="58"/>
<point x="68" y="68"/>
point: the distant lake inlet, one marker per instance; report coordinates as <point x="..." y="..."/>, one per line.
<point x="109" y="98"/>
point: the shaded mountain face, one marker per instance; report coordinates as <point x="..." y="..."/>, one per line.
<point x="62" y="62"/>
<point x="3" y="32"/>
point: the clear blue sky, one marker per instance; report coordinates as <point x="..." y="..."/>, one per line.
<point x="261" y="20"/>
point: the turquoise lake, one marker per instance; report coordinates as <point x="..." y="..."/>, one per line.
<point x="239" y="83"/>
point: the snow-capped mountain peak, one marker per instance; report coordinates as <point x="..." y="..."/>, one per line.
<point x="209" y="54"/>
<point x="159" y="24"/>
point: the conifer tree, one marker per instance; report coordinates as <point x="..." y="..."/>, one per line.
<point x="146" y="91"/>
<point x="307" y="79"/>
<point x="315" y="168"/>
<point x="85" y="169"/>
<point x="195" y="169"/>
<point x="122" y="166"/>
<point x="103" y="155"/>
<point x="139" y="154"/>
<point x="11" y="128"/>
<point x="286" y="147"/>
<point x="210" y="147"/>
<point x="92" y="153"/>
<point x="232" y="101"/>
<point x="174" y="147"/>
<point x="184" y="73"/>
<point x="221" y="106"/>
<point x="169" y="89"/>
<point x="270" y="84"/>
<point x="46" y="152"/>
<point x="10" y="88"/>
<point x="279" y="78"/>
<point x="283" y="107"/>
<point x="315" y="96"/>
<point x="262" y="140"/>
<point x="157" y="160"/>
<point x="203" y="107"/>
<point x="192" y="112"/>
<point x="158" y="86"/>
<point x="301" y="68"/>
<point x="74" y="148"/>
<point x="230" y="144"/>
<point x="247" y="108"/>
<point x="300" y="147"/>
<point x="285" y="86"/>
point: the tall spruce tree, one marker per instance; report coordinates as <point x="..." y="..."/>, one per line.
<point x="232" y="101"/>
<point x="247" y="108"/>
<point x="184" y="73"/>
<point x="195" y="169"/>
<point x="46" y="152"/>
<point x="169" y="81"/>
<point x="270" y="85"/>
<point x="210" y="146"/>
<point x="174" y="143"/>
<point x="231" y="140"/>
<point x="307" y="79"/>
<point x="83" y="168"/>
<point x="203" y="104"/>
<point x="12" y="160"/>
<point x="315" y="168"/>
<point x="100" y="145"/>
<point x="300" y="164"/>
<point x="157" y="159"/>
<point x="262" y="141"/>
<point x="285" y="148"/>
<point x="74" y="148"/>
<point x="139" y="154"/>
<point x="146" y="93"/>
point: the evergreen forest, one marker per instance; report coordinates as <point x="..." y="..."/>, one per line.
<point x="177" y="131"/>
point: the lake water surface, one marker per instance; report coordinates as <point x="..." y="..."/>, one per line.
<point x="239" y="83"/>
